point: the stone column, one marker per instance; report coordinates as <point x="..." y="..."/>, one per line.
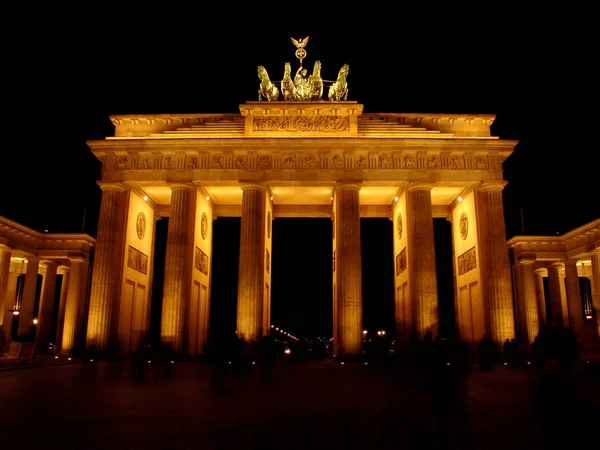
<point x="527" y="295"/>
<point x="349" y="270"/>
<point x="575" y="306"/>
<point x="61" y="308"/>
<point x="178" y="265"/>
<point x="421" y="260"/>
<point x="5" y="253"/>
<point x="46" y="308"/>
<point x="106" y="276"/>
<point x="556" y="312"/>
<point x="499" y="282"/>
<point x="563" y="299"/>
<point x="251" y="268"/>
<point x="596" y="284"/>
<point x="28" y="298"/>
<point x="540" y="297"/>
<point x="73" y="303"/>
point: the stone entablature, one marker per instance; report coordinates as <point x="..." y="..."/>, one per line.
<point x="299" y="119"/>
<point x="24" y="241"/>
<point x="574" y="244"/>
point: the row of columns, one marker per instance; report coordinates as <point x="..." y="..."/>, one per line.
<point x="348" y="285"/>
<point x="564" y="303"/>
<point x="72" y="306"/>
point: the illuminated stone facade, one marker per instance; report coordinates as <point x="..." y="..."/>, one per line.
<point x="566" y="261"/>
<point x="30" y="263"/>
<point x="290" y="159"/>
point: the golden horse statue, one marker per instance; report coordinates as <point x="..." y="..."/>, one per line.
<point x="267" y="88"/>
<point x="316" y="83"/>
<point x="339" y="89"/>
<point x="287" y="85"/>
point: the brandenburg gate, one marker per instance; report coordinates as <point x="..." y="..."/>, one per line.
<point x="292" y="153"/>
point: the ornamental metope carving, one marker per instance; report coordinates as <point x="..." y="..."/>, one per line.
<point x="216" y="162"/>
<point x="361" y="163"/>
<point x="264" y="162"/>
<point x="409" y="162"/>
<point x="399" y="225"/>
<point x="201" y="261"/>
<point x="385" y="162"/>
<point x="401" y="262"/>
<point x="464" y="226"/>
<point x="145" y="163"/>
<point x="454" y="163"/>
<point x="311" y="162"/>
<point x="240" y="162"/>
<point x="204" y="225"/>
<point x="192" y="162"/>
<point x="480" y="162"/>
<point x="433" y="162"/>
<point x="289" y="162"/>
<point x="338" y="161"/>
<point x="140" y="225"/>
<point x="168" y="162"/>
<point x="123" y="162"/>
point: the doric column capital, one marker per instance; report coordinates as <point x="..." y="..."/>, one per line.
<point x="5" y="248"/>
<point x="107" y="186"/>
<point x="525" y="261"/>
<point x="33" y="259"/>
<point x="571" y="262"/>
<point x="557" y="264"/>
<point x="419" y="187"/>
<point x="525" y="258"/>
<point x="498" y="185"/>
<point x="252" y="185"/>
<point x="181" y="185"/>
<point x="541" y="271"/>
<point x="77" y="259"/>
<point x="62" y="270"/>
<point x="595" y="252"/>
<point x="340" y="186"/>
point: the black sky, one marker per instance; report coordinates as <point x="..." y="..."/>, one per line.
<point x="66" y="71"/>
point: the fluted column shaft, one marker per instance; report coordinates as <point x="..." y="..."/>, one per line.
<point x="596" y="285"/>
<point x="556" y="312"/>
<point x="528" y="297"/>
<point x="61" y="308"/>
<point x="575" y="306"/>
<point x="28" y="298"/>
<point x="251" y="268"/>
<point x="421" y="254"/>
<point x="499" y="283"/>
<point x="178" y="266"/>
<point x="46" y="308"/>
<point x="541" y="298"/>
<point x="107" y="266"/>
<point x="349" y="270"/>
<point x="4" y="271"/>
<point x="73" y="303"/>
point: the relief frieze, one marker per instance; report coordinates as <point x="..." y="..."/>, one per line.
<point x="137" y="260"/>
<point x="433" y="162"/>
<point x="216" y="162"/>
<point x="145" y="163"/>
<point x="311" y="162"/>
<point x="240" y="162"/>
<point x="480" y="162"/>
<point x="385" y="162"/>
<point x="467" y="261"/>
<point x="169" y="162"/>
<point x="301" y="124"/>
<point x="362" y="162"/>
<point x="409" y="162"/>
<point x="201" y="261"/>
<point x="122" y="162"/>
<point x="338" y="161"/>
<point x="192" y="162"/>
<point x="289" y="162"/>
<point x="401" y="262"/>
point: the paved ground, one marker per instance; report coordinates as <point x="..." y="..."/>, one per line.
<point x="320" y="405"/>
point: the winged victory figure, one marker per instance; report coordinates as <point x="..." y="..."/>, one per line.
<point x="300" y="43"/>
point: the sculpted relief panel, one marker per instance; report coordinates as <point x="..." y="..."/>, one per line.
<point x="467" y="261"/>
<point x="301" y="124"/>
<point x="241" y="160"/>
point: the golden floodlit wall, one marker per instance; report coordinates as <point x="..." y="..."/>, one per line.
<point x="198" y="312"/>
<point x="467" y="269"/>
<point x="401" y="271"/>
<point x="268" y="265"/>
<point x="335" y="333"/>
<point x="134" y="307"/>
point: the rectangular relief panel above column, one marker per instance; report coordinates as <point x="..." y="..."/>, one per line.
<point x="301" y="120"/>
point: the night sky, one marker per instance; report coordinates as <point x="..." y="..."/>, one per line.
<point x="66" y="73"/>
